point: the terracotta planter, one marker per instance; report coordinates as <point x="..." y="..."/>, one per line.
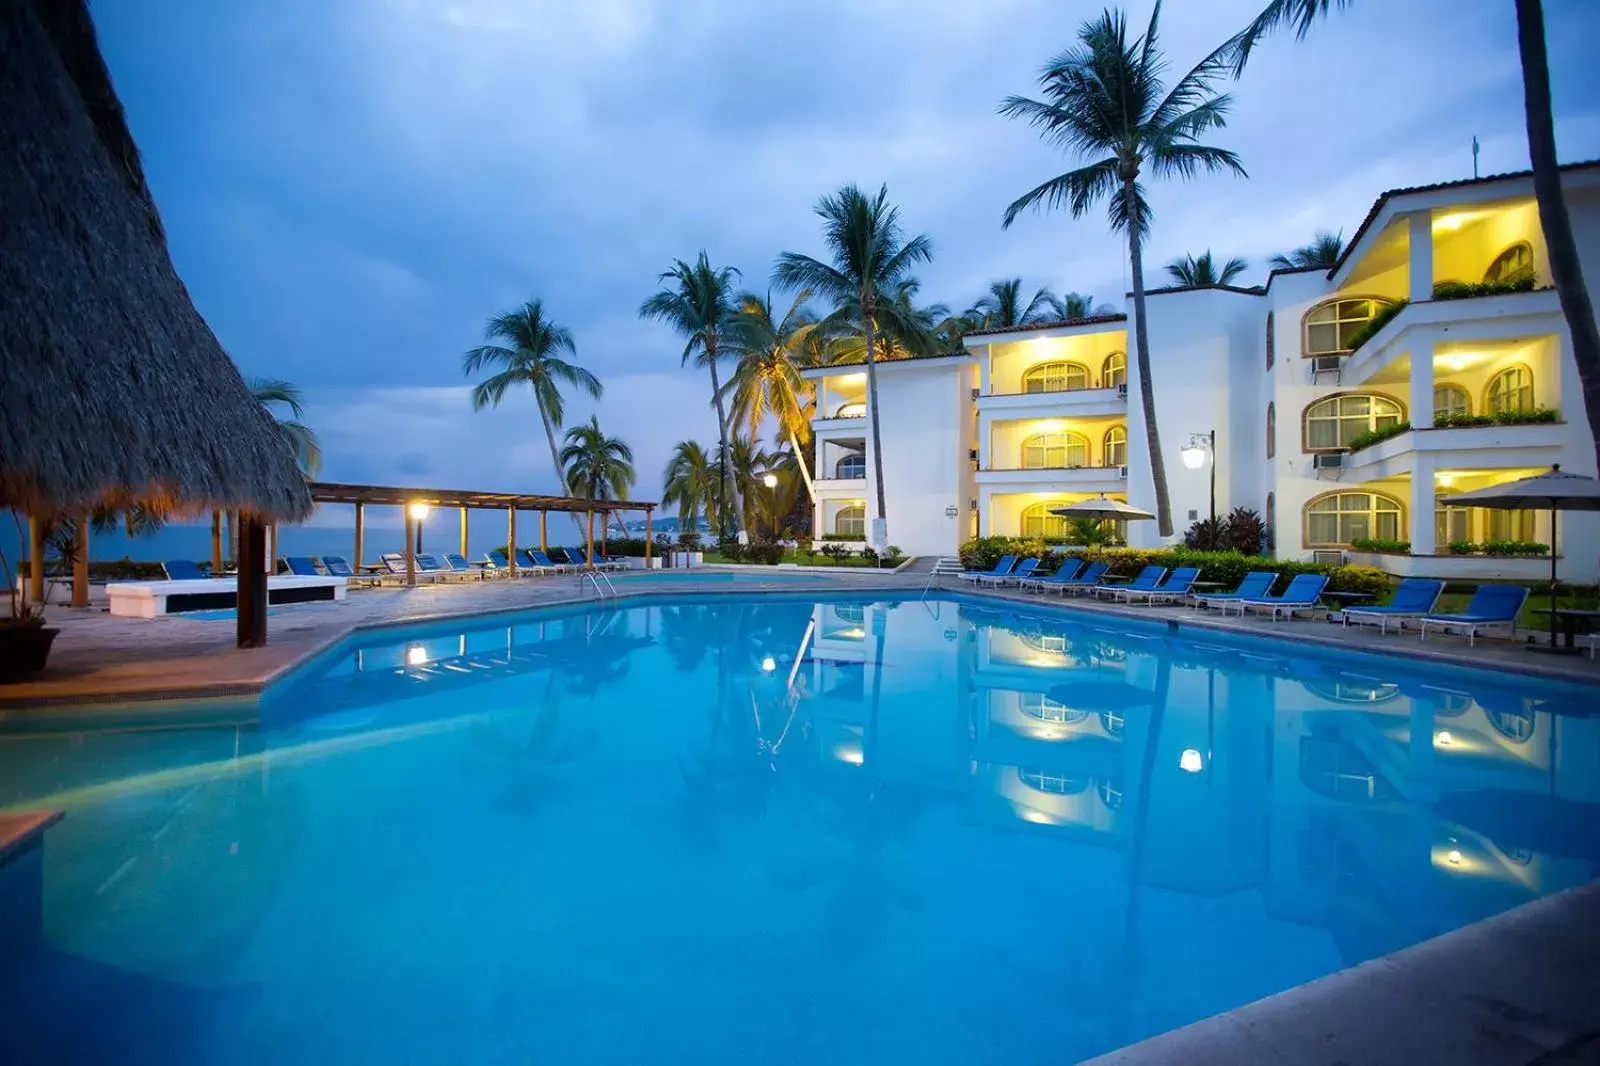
<point x="24" y="650"/>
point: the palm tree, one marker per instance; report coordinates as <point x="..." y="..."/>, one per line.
<point x="748" y="463"/>
<point x="270" y="393"/>
<point x="689" y="483"/>
<point x="1203" y="272"/>
<point x="766" y="381"/>
<point x="905" y="331"/>
<point x="530" y="355"/>
<point x="1321" y="254"/>
<point x="1002" y="307"/>
<point x="1566" y="269"/>
<point x="1106" y="98"/>
<point x="598" y="466"/>
<point x="869" y="260"/>
<point x="1079" y="305"/>
<point x="700" y="305"/>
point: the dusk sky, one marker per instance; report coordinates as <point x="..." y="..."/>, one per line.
<point x="351" y="188"/>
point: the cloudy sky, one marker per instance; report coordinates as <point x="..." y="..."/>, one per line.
<point x="352" y="188"/>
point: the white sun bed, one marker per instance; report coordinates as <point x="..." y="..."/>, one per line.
<point x="152" y="599"/>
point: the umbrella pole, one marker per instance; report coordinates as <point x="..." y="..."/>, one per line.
<point x="1552" y="575"/>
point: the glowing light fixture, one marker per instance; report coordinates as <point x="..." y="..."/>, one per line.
<point x="416" y="655"/>
<point x="1191" y="761"/>
<point x="1444" y="739"/>
<point x="770" y="481"/>
<point x="1452" y="221"/>
<point x="418" y="510"/>
<point x="1454" y="857"/>
<point x="1446" y="480"/>
<point x="768" y="665"/>
<point x="1194" y="453"/>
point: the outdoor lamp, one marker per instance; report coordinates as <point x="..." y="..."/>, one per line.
<point x="1194" y="453"/>
<point x="770" y="481"/>
<point x="419" y="510"/>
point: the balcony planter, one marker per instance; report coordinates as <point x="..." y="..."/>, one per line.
<point x="24" y="647"/>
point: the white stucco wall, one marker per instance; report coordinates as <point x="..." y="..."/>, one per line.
<point x="926" y="416"/>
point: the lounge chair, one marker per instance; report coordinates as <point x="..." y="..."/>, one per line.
<point x="526" y="561"/>
<point x="1175" y="587"/>
<point x="395" y="564"/>
<point x="1063" y="573"/>
<point x="1024" y="569"/>
<point x="440" y="564"/>
<point x="459" y="564"/>
<point x="1413" y="598"/>
<point x="302" y="566"/>
<point x="542" y="559"/>
<point x="1301" y="595"/>
<point x="339" y="566"/>
<point x="1491" y="607"/>
<point x="1255" y="586"/>
<point x="1084" y="582"/>
<point x="184" y="570"/>
<point x="1147" y="580"/>
<point x="999" y="569"/>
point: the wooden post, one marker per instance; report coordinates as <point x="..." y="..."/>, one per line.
<point x="216" y="543"/>
<point x="605" y="528"/>
<point x="463" y="532"/>
<point x="271" y="566"/>
<point x="589" y="540"/>
<point x="361" y="520"/>
<point x="80" y="564"/>
<point x="511" y="541"/>
<point x="35" y="560"/>
<point x="649" y="516"/>
<point x="544" y="541"/>
<point x="251" y="601"/>
<point x="411" y="548"/>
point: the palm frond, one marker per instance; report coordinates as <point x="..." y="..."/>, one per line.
<point x="1302" y="14"/>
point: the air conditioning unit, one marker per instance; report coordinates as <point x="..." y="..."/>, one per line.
<point x="976" y="393"/>
<point x="1122" y="392"/>
<point x="1326" y="364"/>
<point x="1122" y="472"/>
<point x="1327" y="461"/>
<point x="1328" y="558"/>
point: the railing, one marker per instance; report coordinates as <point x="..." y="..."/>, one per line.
<point x="945" y="565"/>
<point x="601" y="583"/>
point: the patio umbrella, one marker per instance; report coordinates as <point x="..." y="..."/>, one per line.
<point x="1554" y="491"/>
<point x="1101" y="507"/>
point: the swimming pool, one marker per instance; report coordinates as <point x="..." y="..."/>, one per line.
<point x="777" y="829"/>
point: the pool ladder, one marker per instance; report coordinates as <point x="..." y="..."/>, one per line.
<point x="602" y="584"/>
<point x="945" y="565"/>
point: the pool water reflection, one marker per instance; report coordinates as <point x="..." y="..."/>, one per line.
<point x="778" y="830"/>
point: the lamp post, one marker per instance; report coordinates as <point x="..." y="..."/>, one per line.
<point x="418" y="511"/>
<point x="1203" y="446"/>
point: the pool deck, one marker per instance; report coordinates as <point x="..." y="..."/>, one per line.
<point x="99" y="659"/>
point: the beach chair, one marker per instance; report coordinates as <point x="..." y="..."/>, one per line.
<point x="999" y="569"/>
<point x="458" y="563"/>
<point x="1084" y="582"/>
<point x="1147" y="580"/>
<point x="1175" y="587"/>
<point x="1023" y="569"/>
<point x="394" y="564"/>
<point x="526" y="561"/>
<point x="1065" y="572"/>
<point x="1301" y="595"/>
<point x="544" y="560"/>
<point x="339" y="566"/>
<point x="301" y="566"/>
<point x="184" y="570"/>
<point x="1256" y="585"/>
<point x="1413" y="598"/>
<point x="1491" y="607"/>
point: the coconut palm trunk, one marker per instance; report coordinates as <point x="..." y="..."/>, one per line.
<point x="730" y="486"/>
<point x="1565" y="268"/>
<point x="1147" y="396"/>
<point x="870" y="327"/>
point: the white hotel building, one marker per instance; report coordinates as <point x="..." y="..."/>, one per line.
<point x="988" y="440"/>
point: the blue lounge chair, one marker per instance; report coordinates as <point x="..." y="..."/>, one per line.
<point x="458" y="564"/>
<point x="1491" y="607"/>
<point x="1255" y="586"/>
<point x="1084" y="582"/>
<point x="184" y="570"/>
<point x="548" y="563"/>
<point x="1301" y="595"/>
<point x="395" y="564"/>
<point x="1175" y="587"/>
<point x="1024" y="569"/>
<point x="999" y="569"/>
<point x="526" y="561"/>
<point x="1147" y="580"/>
<point x="1413" y="598"/>
<point x="339" y="566"/>
<point x="1066" y="571"/>
<point x="301" y="566"/>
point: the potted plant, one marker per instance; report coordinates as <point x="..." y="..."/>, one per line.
<point x="24" y="638"/>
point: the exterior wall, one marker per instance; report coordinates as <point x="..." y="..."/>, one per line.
<point x="1009" y="360"/>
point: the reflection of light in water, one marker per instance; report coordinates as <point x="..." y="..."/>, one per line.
<point x="769" y="664"/>
<point x="1444" y="739"/>
<point x="1037" y="818"/>
<point x="416" y="655"/>
<point x="1191" y="761"/>
<point x="849" y="755"/>
<point x="1454" y="857"/>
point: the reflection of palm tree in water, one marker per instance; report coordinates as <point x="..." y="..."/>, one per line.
<point x="532" y="747"/>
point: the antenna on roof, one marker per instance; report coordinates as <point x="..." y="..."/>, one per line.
<point x="1474" y="157"/>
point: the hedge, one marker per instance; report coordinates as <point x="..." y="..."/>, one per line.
<point x="1229" y="568"/>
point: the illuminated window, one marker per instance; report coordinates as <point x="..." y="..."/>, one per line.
<point x="1272" y="430"/>
<point x="1051" y="781"/>
<point x="1513" y="264"/>
<point x="1450" y="523"/>
<point x="1272" y="343"/>
<point x="1337" y="420"/>
<point x="1450" y="399"/>
<point x="1038" y="705"/>
<point x="852" y="465"/>
<point x="855" y="409"/>
<point x="851" y="522"/>
<point x="1336" y="519"/>
<point x="1330" y="326"/>
<point x="1054" y="451"/>
<point x="1056" y="377"/>
<point x="1114" y="370"/>
<point x="1116" y="446"/>
<point x="1509" y="390"/>
<point x="1513" y="725"/>
<point x="1512" y="525"/>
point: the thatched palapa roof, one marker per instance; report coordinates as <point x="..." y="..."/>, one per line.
<point x="112" y="387"/>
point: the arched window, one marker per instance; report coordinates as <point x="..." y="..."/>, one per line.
<point x="1037" y="521"/>
<point x="851" y="521"/>
<point x="854" y="409"/>
<point x="1335" y="519"/>
<point x="1510" y="389"/>
<point x="1038" y="705"/>
<point x="1116" y="446"/>
<point x="1114" y="370"/>
<point x="1056" y="377"/>
<point x="1272" y="342"/>
<point x="1449" y="399"/>
<point x="1054" y="451"/>
<point x="1336" y="421"/>
<point x="852" y="465"/>
<point x="1052" y="781"/>
<point x="1272" y="430"/>
<point x="1513" y="264"/>
<point x="1051" y="643"/>
<point x="1330" y="326"/>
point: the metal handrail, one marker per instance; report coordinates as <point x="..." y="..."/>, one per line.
<point x="596" y="577"/>
<point x="945" y="564"/>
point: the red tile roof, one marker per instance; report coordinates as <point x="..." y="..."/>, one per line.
<point x="1063" y="323"/>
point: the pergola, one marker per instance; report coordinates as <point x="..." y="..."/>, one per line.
<point x="415" y="502"/>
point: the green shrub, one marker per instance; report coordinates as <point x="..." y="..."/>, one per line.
<point x="1461" y="547"/>
<point x="1463" y="290"/>
<point x="1241" y="531"/>
<point x="767" y="553"/>
<point x="892" y="557"/>
<point x="1381" y="544"/>
<point x="857" y="537"/>
<point x="1530" y="416"/>
<point x="1513" y="547"/>
<point x="1373" y="436"/>
<point x="1384" y="316"/>
<point x="837" y="552"/>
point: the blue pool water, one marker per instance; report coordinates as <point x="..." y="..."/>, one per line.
<point x="773" y="830"/>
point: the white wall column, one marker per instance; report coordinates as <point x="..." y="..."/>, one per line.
<point x="985" y="361"/>
<point x="1421" y="255"/>
<point x="1421" y="402"/>
<point x="1420" y="521"/>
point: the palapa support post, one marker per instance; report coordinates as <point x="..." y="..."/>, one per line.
<point x="251" y="602"/>
<point x="605" y="529"/>
<point x="649" y="516"/>
<point x="216" y="543"/>
<point x="463" y="532"/>
<point x="35" y="560"/>
<point x="361" y="530"/>
<point x="589" y="540"/>
<point x="544" y="542"/>
<point x="511" y="540"/>
<point x="411" y="547"/>
<point x="80" y="564"/>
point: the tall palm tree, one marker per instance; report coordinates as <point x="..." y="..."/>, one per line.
<point x="690" y="483"/>
<point x="766" y="380"/>
<point x="598" y="466"/>
<point x="1322" y="253"/>
<point x="1002" y="307"/>
<point x="1204" y="272"/>
<point x="748" y="463"/>
<point x="1105" y="97"/>
<point x="272" y="393"/>
<point x="868" y="260"/>
<point x="908" y="329"/>
<point x="531" y="354"/>
<point x="700" y="304"/>
<point x="1566" y="269"/>
<point x="1080" y="305"/>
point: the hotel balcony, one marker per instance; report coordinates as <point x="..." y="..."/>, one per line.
<point x="1466" y="447"/>
<point x="1062" y="403"/>
<point x="1452" y="325"/>
<point x="1086" y="479"/>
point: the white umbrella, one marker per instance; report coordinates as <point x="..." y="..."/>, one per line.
<point x="1551" y="491"/>
<point x="1101" y="507"/>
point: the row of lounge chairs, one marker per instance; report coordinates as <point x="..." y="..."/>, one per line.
<point x="1414" y="601"/>
<point x="438" y="566"/>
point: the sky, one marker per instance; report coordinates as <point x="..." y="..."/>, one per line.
<point x="351" y="189"/>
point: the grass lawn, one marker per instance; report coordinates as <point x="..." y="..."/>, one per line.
<point x="1581" y="598"/>
<point x="802" y="557"/>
